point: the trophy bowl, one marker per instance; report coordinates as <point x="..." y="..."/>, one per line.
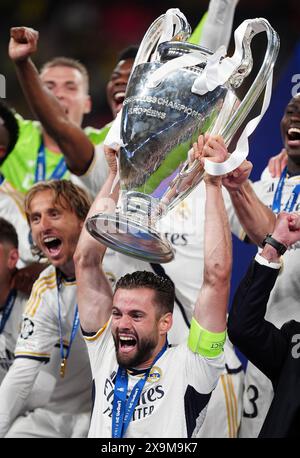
<point x="130" y="238"/>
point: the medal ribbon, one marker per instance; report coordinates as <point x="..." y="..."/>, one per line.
<point x="40" y="169"/>
<point x="276" y="205"/>
<point x="122" y="408"/>
<point x="64" y="356"/>
<point x="8" y="308"/>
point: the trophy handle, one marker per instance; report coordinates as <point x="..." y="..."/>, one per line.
<point x="168" y="27"/>
<point x="254" y="27"/>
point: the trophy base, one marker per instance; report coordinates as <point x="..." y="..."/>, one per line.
<point x="130" y="238"/>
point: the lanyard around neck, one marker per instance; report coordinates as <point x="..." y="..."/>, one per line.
<point x="8" y="308"/>
<point x="40" y="169"/>
<point x="276" y="205"/>
<point x="64" y="356"/>
<point x="122" y="408"/>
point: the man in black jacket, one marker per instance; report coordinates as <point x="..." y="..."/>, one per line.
<point x="274" y="351"/>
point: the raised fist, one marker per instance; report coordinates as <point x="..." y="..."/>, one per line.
<point x="23" y="43"/>
<point x="287" y="228"/>
<point x="235" y="179"/>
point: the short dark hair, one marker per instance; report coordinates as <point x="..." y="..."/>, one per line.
<point x="8" y="120"/>
<point x="62" y="61"/>
<point x="163" y="287"/>
<point x="128" y="53"/>
<point x="8" y="233"/>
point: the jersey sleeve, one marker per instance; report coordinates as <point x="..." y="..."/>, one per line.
<point x="98" y="344"/>
<point x="12" y="209"/>
<point x="202" y="373"/>
<point x="39" y="329"/>
<point x="14" y="391"/>
<point x="97" y="172"/>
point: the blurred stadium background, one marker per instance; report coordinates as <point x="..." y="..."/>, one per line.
<point x="94" y="32"/>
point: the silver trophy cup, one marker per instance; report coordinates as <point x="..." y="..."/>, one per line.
<point x="158" y="126"/>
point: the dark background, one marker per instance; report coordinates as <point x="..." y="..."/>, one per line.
<point x="94" y="32"/>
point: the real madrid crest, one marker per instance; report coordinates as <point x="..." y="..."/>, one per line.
<point x="155" y="374"/>
<point x="183" y="210"/>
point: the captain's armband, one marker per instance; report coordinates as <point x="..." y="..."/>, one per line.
<point x="206" y="343"/>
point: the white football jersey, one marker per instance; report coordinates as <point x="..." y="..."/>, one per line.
<point x="8" y="336"/>
<point x="95" y="176"/>
<point x="39" y="339"/>
<point x="174" y="398"/>
<point x="12" y="209"/>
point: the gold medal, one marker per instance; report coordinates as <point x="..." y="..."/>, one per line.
<point x="63" y="367"/>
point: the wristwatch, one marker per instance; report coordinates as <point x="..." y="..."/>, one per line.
<point x="279" y="247"/>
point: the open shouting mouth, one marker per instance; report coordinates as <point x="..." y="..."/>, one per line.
<point x="126" y="343"/>
<point x="53" y="246"/>
<point x="118" y="98"/>
<point x="293" y="137"/>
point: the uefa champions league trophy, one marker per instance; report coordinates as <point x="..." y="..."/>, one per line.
<point x="176" y="92"/>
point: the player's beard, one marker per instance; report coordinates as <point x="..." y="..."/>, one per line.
<point x="143" y="351"/>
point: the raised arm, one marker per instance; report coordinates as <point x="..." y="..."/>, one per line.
<point x="255" y="217"/>
<point x="217" y="27"/>
<point x="211" y="307"/>
<point x="94" y="293"/>
<point x="74" y="144"/>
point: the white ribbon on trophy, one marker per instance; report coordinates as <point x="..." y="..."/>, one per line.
<point x="216" y="73"/>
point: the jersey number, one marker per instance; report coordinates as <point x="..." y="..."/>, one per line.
<point x="252" y="389"/>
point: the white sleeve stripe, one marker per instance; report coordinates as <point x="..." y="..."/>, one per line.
<point x="231" y="405"/>
<point x="39" y="288"/>
<point x="31" y="310"/>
